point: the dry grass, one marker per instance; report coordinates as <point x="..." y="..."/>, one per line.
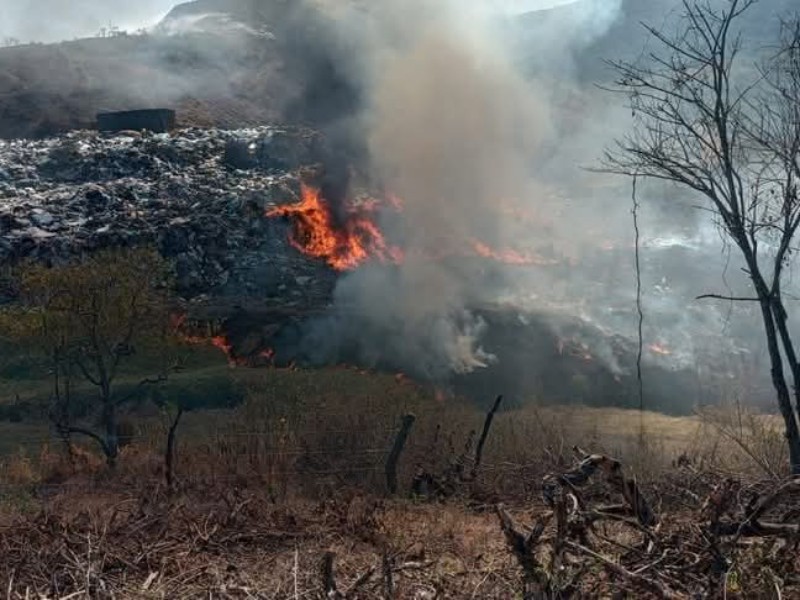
<point x="312" y="431"/>
<point x="240" y="545"/>
<point x="111" y="539"/>
<point x="303" y="460"/>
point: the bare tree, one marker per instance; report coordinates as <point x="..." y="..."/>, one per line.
<point x="706" y="120"/>
<point x="90" y="318"/>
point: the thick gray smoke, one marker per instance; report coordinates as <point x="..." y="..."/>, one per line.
<point x="480" y="117"/>
<point x="482" y="127"/>
<point x="453" y="129"/>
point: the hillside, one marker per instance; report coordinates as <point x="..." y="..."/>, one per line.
<point x="214" y="76"/>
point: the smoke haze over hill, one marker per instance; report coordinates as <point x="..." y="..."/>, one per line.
<point x="55" y="20"/>
<point x="457" y="123"/>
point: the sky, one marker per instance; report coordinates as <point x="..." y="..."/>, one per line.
<point x="57" y="20"/>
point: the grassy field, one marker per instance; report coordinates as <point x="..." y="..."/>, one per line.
<point x="230" y="401"/>
<point x="342" y="422"/>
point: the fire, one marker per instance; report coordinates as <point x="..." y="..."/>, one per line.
<point x="659" y="349"/>
<point x="224" y="344"/>
<point x="183" y="333"/>
<point x="346" y="242"/>
<point x="575" y="348"/>
<point x="343" y="245"/>
<point x="510" y="257"/>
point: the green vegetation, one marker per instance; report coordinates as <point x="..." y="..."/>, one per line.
<point x="84" y="322"/>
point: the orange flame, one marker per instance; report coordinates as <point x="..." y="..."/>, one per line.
<point x="354" y="239"/>
<point x="224" y="344"/>
<point x="510" y="257"/>
<point x="344" y="246"/>
<point x="659" y="349"/>
<point x="178" y="323"/>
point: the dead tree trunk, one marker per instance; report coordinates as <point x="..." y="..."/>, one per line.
<point x="111" y="446"/>
<point x="169" y="455"/>
<point x="484" y="435"/>
<point x="706" y="125"/>
<point x="781" y="387"/>
<point x="397" y="450"/>
<point x="536" y="583"/>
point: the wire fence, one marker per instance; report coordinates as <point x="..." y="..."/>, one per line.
<point x="207" y="459"/>
<point x="271" y="451"/>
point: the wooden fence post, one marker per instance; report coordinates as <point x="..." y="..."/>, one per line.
<point x="397" y="450"/>
<point x="487" y="424"/>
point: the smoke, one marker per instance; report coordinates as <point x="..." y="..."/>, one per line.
<point x="480" y="117"/>
<point x="57" y="20"/>
<point x="453" y="128"/>
<point x="482" y="122"/>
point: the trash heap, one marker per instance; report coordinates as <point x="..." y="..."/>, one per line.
<point x="198" y="195"/>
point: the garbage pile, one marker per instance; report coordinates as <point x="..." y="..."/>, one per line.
<point x="199" y="195"/>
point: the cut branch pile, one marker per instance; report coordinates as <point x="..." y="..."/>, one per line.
<point x="679" y="555"/>
<point x="141" y="544"/>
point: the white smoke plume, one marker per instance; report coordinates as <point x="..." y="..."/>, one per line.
<point x="454" y="129"/>
<point x="483" y="129"/>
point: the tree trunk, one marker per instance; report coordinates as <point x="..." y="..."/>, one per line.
<point x="779" y="383"/>
<point x="169" y="455"/>
<point x="111" y="446"/>
<point x="781" y="321"/>
<point x="396" y="451"/>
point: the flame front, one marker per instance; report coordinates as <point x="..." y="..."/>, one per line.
<point x="659" y="349"/>
<point x="344" y="246"/>
<point x="182" y="332"/>
<point x="508" y="256"/>
<point x="351" y="240"/>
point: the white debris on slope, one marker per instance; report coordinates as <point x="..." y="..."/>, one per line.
<point x="199" y="195"/>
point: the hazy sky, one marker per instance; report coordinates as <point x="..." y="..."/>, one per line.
<point x="527" y="5"/>
<point x="55" y="20"/>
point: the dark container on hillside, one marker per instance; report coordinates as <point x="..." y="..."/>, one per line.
<point x="157" y="120"/>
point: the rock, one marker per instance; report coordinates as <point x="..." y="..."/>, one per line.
<point x="38" y="234"/>
<point x="8" y="222"/>
<point x="280" y="151"/>
<point x="42" y="218"/>
<point x="97" y="200"/>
